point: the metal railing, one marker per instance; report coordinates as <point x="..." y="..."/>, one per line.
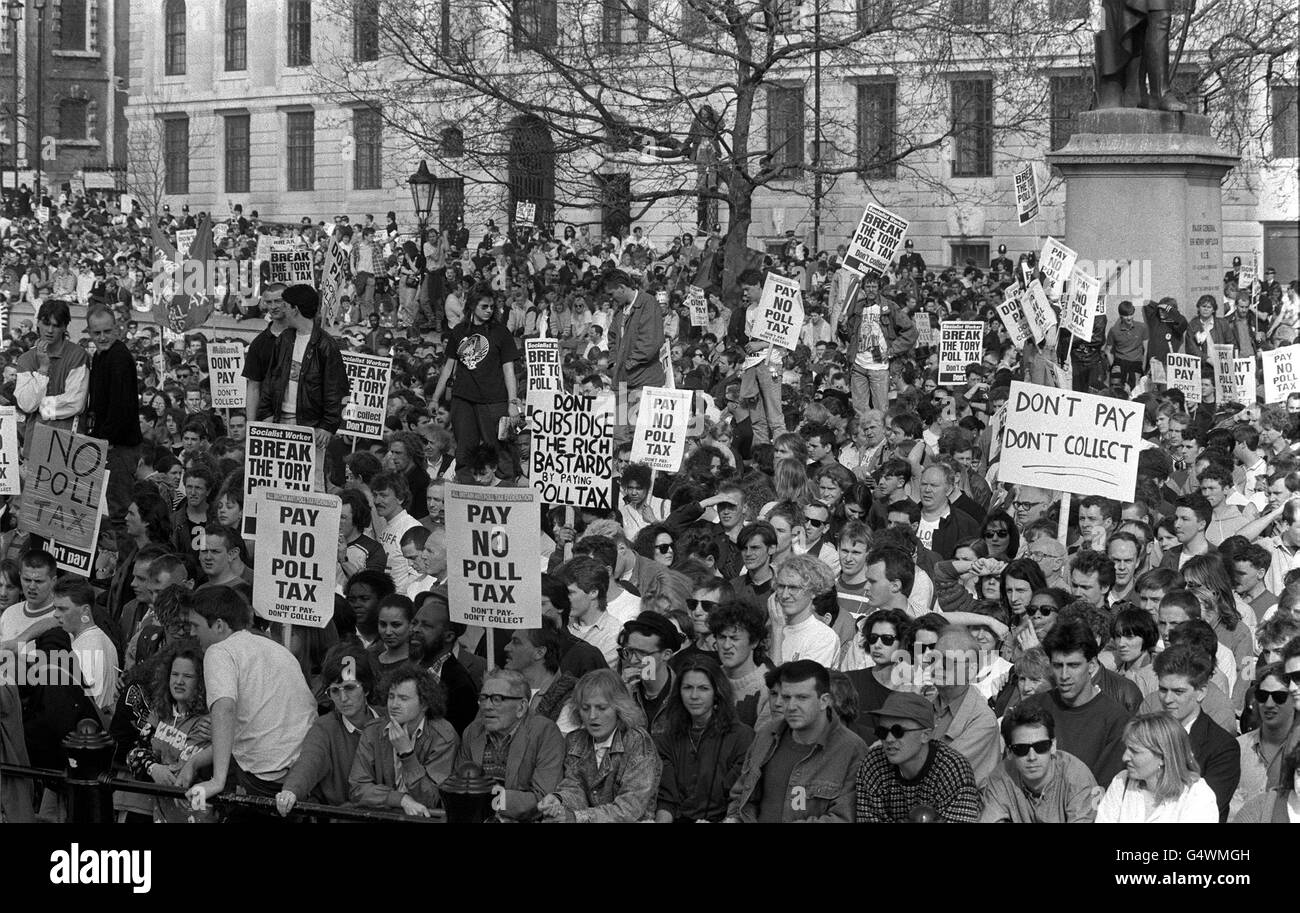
<point x="225" y="801"/>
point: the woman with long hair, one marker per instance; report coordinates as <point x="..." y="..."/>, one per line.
<point x="1134" y="637"/>
<point x="410" y="271"/>
<point x="611" y="765"/>
<point x="701" y="744"/>
<point x="1231" y="618"/>
<point x="1161" y="782"/>
<point x="479" y="374"/>
<point x="1000" y="538"/>
<point x="790" y="479"/>
<point x="1021" y="578"/>
<point x="175" y="744"/>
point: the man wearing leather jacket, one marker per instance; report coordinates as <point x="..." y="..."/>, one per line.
<point x="877" y="329"/>
<point x="306" y="382"/>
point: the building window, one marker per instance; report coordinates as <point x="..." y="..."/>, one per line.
<point x="7" y="37"/>
<point x="176" y="154"/>
<point x="368" y="133"/>
<point x="451" y="202"/>
<point x="71" y="25"/>
<point x="73" y="119"/>
<point x="1070" y="96"/>
<point x="785" y="126"/>
<point x="174" y="37"/>
<point x="976" y="251"/>
<point x="1285" y="142"/>
<point x="972" y="126"/>
<point x="301" y="144"/>
<point x="237" y="146"/>
<point x="875" y="14"/>
<point x="535" y="24"/>
<point x="444" y="30"/>
<point x="624" y="23"/>
<point x="615" y="204"/>
<point x="365" y="30"/>
<point x="299" y="33"/>
<point x="877" y="129"/>
<point x="970" y="12"/>
<point x="236" y="35"/>
<point x="453" y="142"/>
<point x="1064" y="10"/>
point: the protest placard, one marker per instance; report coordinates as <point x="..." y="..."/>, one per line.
<point x="42" y="214"/>
<point x="291" y="265"/>
<point x="875" y="241"/>
<point x="9" y="450"/>
<point x="525" y="213"/>
<point x="63" y="482"/>
<point x="666" y="362"/>
<point x="699" y="306"/>
<point x="1183" y="373"/>
<point x="1013" y="318"/>
<point x="1038" y="311"/>
<point x="1221" y="359"/>
<point x="1081" y="307"/>
<point x="78" y="186"/>
<point x="184" y="239"/>
<point x="494" y="567"/>
<point x="780" y="312"/>
<point x="219" y="232"/>
<point x="924" y="331"/>
<point x="661" y="425"/>
<point x="961" y="342"/>
<point x="264" y="245"/>
<point x="370" y="375"/>
<point x="225" y="374"/>
<point x="542" y="360"/>
<point x="333" y="277"/>
<point x="1243" y="380"/>
<point x="1281" y="373"/>
<point x="572" y="456"/>
<point x="276" y="456"/>
<point x="1075" y="442"/>
<point x="1055" y="262"/>
<point x="1026" y="180"/>
<point x="297" y="553"/>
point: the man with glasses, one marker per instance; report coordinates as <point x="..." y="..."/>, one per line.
<point x="1049" y="554"/>
<point x="1291" y="667"/>
<point x="909" y="776"/>
<point x="646" y="646"/>
<point x="1263" y="749"/>
<point x="1037" y="783"/>
<point x="1030" y="504"/>
<point x="797" y="632"/>
<point x="817" y="526"/>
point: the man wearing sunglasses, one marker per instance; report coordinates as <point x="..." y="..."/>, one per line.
<point x="907" y="776"/>
<point x="817" y="528"/>
<point x="1263" y="749"/>
<point x="1037" y="784"/>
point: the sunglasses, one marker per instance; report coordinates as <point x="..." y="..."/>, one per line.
<point x="1292" y="678"/>
<point x="707" y="605"/>
<point x="663" y="549"/>
<point x="1042" y="611"/>
<point x="897" y="731"/>
<point x="887" y="639"/>
<point x="995" y="534"/>
<point x="1022" y="749"/>
<point x="1279" y="697"/>
<point x="814" y="522"/>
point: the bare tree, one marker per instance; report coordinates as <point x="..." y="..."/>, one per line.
<point x="146" y="148"/>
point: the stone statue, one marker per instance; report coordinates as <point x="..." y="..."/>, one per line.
<point x="1133" y="56"/>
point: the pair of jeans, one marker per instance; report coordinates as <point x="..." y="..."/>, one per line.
<point x="121" y="467"/>
<point x="1130" y="371"/>
<point x="768" y="420"/>
<point x="869" y="389"/>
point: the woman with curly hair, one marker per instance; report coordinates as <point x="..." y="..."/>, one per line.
<point x="404" y="756"/>
<point x="655" y="542"/>
<point x="175" y="746"/>
<point x="611" y="765"/>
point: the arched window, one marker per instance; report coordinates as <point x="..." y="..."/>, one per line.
<point x="174" y="37"/>
<point x="532" y="167"/>
<point x="453" y="142"/>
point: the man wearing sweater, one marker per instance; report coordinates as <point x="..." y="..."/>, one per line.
<point x="1089" y="725"/>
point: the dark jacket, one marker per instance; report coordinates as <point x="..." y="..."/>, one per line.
<point x="1219" y="757"/>
<point x="640" y="337"/>
<point x="698" y="776"/>
<point x="373" y="779"/>
<point x="825" y="774"/>
<point x="321" y="772"/>
<point x="1120" y="689"/>
<point x="1165" y="330"/>
<point x="322" y="386"/>
<point x="534" y="762"/>
<point x="113" y="403"/>
<point x="899" y="330"/>
<point x="956" y="527"/>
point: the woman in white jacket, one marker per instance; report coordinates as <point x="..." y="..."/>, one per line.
<point x="1161" y="782"/>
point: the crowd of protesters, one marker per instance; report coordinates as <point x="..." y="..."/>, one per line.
<point x="832" y="612"/>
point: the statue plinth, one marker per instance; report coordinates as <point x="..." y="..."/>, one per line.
<point x="1144" y="186"/>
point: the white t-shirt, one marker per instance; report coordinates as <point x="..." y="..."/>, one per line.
<point x="926" y="532"/>
<point x="273" y="705"/>
<point x="625" y="608"/>
<point x="809" y="639"/>
<point x="97" y="660"/>
<point x="289" y="406"/>
<point x="15" y="619"/>
<point x="389" y="535"/>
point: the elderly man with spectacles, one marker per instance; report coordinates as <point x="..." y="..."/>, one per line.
<point x="521" y="751"/>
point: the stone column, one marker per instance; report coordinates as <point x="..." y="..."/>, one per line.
<point x="1143" y="193"/>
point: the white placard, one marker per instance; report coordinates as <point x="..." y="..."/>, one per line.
<point x="544" y="374"/>
<point x="225" y="374"/>
<point x="875" y="241"/>
<point x="494" y="569"/>
<point x="1221" y="358"/>
<point x="1038" y="311"/>
<point x="572" y="457"/>
<point x="297" y="553"/>
<point x="699" y="306"/>
<point x="961" y="342"/>
<point x="1243" y="380"/>
<point x="662" y="422"/>
<point x="184" y="240"/>
<point x="780" y="312"/>
<point x="291" y="264"/>
<point x="525" y="213"/>
<point x="1013" y="318"/>
<point x="1055" y="262"/>
<point x="367" y="408"/>
<point x="1027" y="193"/>
<point x="1183" y="373"/>
<point x="9" y="484"/>
<point x="1082" y="302"/>
<point x="280" y="457"/>
<point x="1281" y="373"/>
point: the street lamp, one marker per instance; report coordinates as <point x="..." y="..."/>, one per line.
<point x="423" y="185"/>
<point x="15" y="13"/>
<point x="40" y="95"/>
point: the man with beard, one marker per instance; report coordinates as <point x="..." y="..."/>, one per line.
<point x="433" y="639"/>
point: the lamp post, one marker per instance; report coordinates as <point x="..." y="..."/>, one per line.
<point x="423" y="185"/>
<point x="14" y="9"/>
<point x="40" y="94"/>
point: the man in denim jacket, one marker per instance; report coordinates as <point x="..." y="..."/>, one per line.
<point x="802" y="767"/>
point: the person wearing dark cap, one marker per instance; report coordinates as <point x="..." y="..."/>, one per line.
<point x="645" y="645"/>
<point x="911" y="263"/>
<point x="1233" y="275"/>
<point x="907" y="776"/>
<point x="306" y="382"/>
<point x="1127" y="340"/>
<point x="1002" y="263"/>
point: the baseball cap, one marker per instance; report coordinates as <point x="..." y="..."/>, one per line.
<point x="902" y="706"/>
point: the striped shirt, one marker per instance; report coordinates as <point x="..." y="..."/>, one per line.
<point x="946" y="783"/>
